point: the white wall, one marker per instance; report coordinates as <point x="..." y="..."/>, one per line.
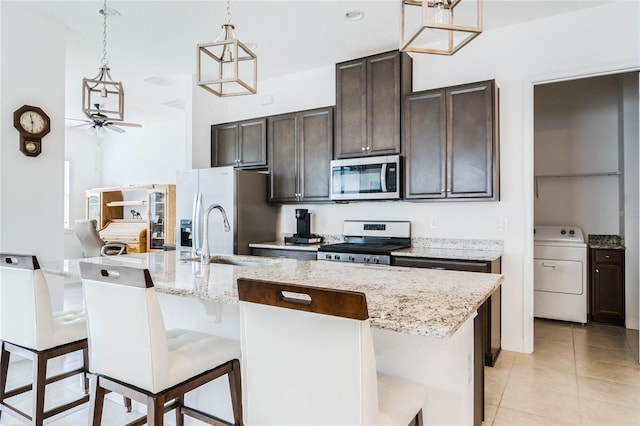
<point x="517" y="57"/>
<point x="31" y="188"/>
<point x="631" y="211"/>
<point x="577" y="132"/>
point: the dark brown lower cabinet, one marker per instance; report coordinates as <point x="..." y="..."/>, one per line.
<point x="486" y="325"/>
<point x="286" y="253"/>
<point x="606" y="285"/>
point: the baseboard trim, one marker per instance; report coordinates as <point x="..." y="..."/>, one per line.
<point x="632" y="323"/>
<point x="512" y="344"/>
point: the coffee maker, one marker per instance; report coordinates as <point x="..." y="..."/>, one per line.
<point x="303" y="233"/>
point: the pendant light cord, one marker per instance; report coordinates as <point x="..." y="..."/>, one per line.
<point x="104" y="60"/>
<point x="227" y="17"/>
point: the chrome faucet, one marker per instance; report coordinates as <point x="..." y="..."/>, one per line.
<point x="205" y="257"/>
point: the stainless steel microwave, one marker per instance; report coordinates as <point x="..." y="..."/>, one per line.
<point x="366" y="178"/>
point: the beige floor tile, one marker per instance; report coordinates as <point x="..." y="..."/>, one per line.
<point x="607" y="342"/>
<point x="495" y="380"/>
<point x="540" y="400"/>
<point x="610" y="392"/>
<point x="533" y="376"/>
<point x="596" y="353"/>
<point x="508" y="417"/>
<point x="599" y="329"/>
<point x="560" y="334"/>
<point x="594" y="412"/>
<point x="489" y="414"/>
<point x="547" y="345"/>
<point x="505" y="360"/>
<point x="564" y="363"/>
<point x="541" y="324"/>
<point x="608" y="371"/>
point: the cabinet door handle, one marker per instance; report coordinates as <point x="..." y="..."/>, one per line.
<point x="364" y="148"/>
<point x="607" y="256"/>
<point x="548" y="265"/>
<point x="368" y="148"/>
<point x="597" y="271"/>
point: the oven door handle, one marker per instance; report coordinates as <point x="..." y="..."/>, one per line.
<point x="383" y="177"/>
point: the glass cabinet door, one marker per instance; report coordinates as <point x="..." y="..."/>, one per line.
<point x="157" y="204"/>
<point x="93" y="208"/>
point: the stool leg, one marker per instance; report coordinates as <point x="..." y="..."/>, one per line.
<point x="155" y="411"/>
<point x="39" y="385"/>
<point x="178" y="410"/>
<point x="236" y="391"/>
<point x="127" y="404"/>
<point x="85" y="367"/>
<point x="96" y="401"/>
<point x="4" y="370"/>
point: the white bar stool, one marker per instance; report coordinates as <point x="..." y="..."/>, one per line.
<point x="132" y="354"/>
<point x="308" y="359"/>
<point x="29" y="328"/>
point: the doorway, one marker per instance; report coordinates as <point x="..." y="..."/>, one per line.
<point x="586" y="161"/>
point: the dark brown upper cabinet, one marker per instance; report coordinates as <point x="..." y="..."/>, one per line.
<point x="451" y="143"/>
<point x="369" y="95"/>
<point x="242" y="144"/>
<point x="300" y="152"/>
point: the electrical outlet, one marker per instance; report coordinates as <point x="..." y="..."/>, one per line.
<point x="433" y="223"/>
<point x="503" y="224"/>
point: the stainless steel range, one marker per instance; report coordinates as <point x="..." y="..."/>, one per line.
<point x="368" y="242"/>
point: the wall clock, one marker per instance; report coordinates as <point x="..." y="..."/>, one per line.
<point x="33" y="124"/>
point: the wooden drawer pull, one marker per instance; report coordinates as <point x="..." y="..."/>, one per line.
<point x="293" y="297"/>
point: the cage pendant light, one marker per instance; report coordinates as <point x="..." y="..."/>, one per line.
<point x="101" y="96"/>
<point x="440" y="26"/>
<point x="226" y="66"/>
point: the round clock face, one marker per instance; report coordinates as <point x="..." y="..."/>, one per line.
<point x="32" y="122"/>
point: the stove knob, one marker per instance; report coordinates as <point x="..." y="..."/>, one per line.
<point x="572" y="232"/>
<point x="352" y="258"/>
<point x="366" y="260"/>
<point x="563" y="232"/>
<point x="327" y="256"/>
<point x="376" y="260"/>
<point x="336" y="257"/>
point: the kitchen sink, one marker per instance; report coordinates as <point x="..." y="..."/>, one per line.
<point x="234" y="261"/>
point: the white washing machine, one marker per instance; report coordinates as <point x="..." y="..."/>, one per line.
<point x="560" y="273"/>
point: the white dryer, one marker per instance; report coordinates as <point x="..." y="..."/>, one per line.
<point x="560" y="273"/>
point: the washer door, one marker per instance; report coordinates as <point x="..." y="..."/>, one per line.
<point x="557" y="276"/>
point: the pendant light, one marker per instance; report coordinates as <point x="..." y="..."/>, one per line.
<point x="102" y="97"/>
<point x="226" y="66"/>
<point x="440" y="26"/>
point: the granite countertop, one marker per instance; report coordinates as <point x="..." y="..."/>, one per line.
<point x="434" y="248"/>
<point x="417" y="301"/>
<point x="610" y="242"/>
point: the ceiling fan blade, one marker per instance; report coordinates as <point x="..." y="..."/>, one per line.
<point x="78" y="119"/>
<point x="81" y="125"/>
<point x="128" y="124"/>
<point x="116" y="129"/>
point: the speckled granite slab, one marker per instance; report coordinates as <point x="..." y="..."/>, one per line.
<point x="448" y="253"/>
<point x="437" y="248"/>
<point x="612" y="242"/>
<point x="417" y="301"/>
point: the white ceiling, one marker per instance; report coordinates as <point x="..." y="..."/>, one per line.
<point x="160" y="37"/>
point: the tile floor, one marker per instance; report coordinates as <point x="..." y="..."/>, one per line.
<point x="578" y="375"/>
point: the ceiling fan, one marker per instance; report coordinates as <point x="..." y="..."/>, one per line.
<point x="100" y="121"/>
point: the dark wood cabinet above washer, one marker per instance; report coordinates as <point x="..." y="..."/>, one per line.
<point x="369" y="94"/>
<point x="242" y="144"/>
<point x="451" y="143"/>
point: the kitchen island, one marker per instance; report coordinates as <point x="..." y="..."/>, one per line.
<point x="422" y="319"/>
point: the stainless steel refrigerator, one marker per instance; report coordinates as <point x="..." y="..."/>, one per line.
<point x="242" y="194"/>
